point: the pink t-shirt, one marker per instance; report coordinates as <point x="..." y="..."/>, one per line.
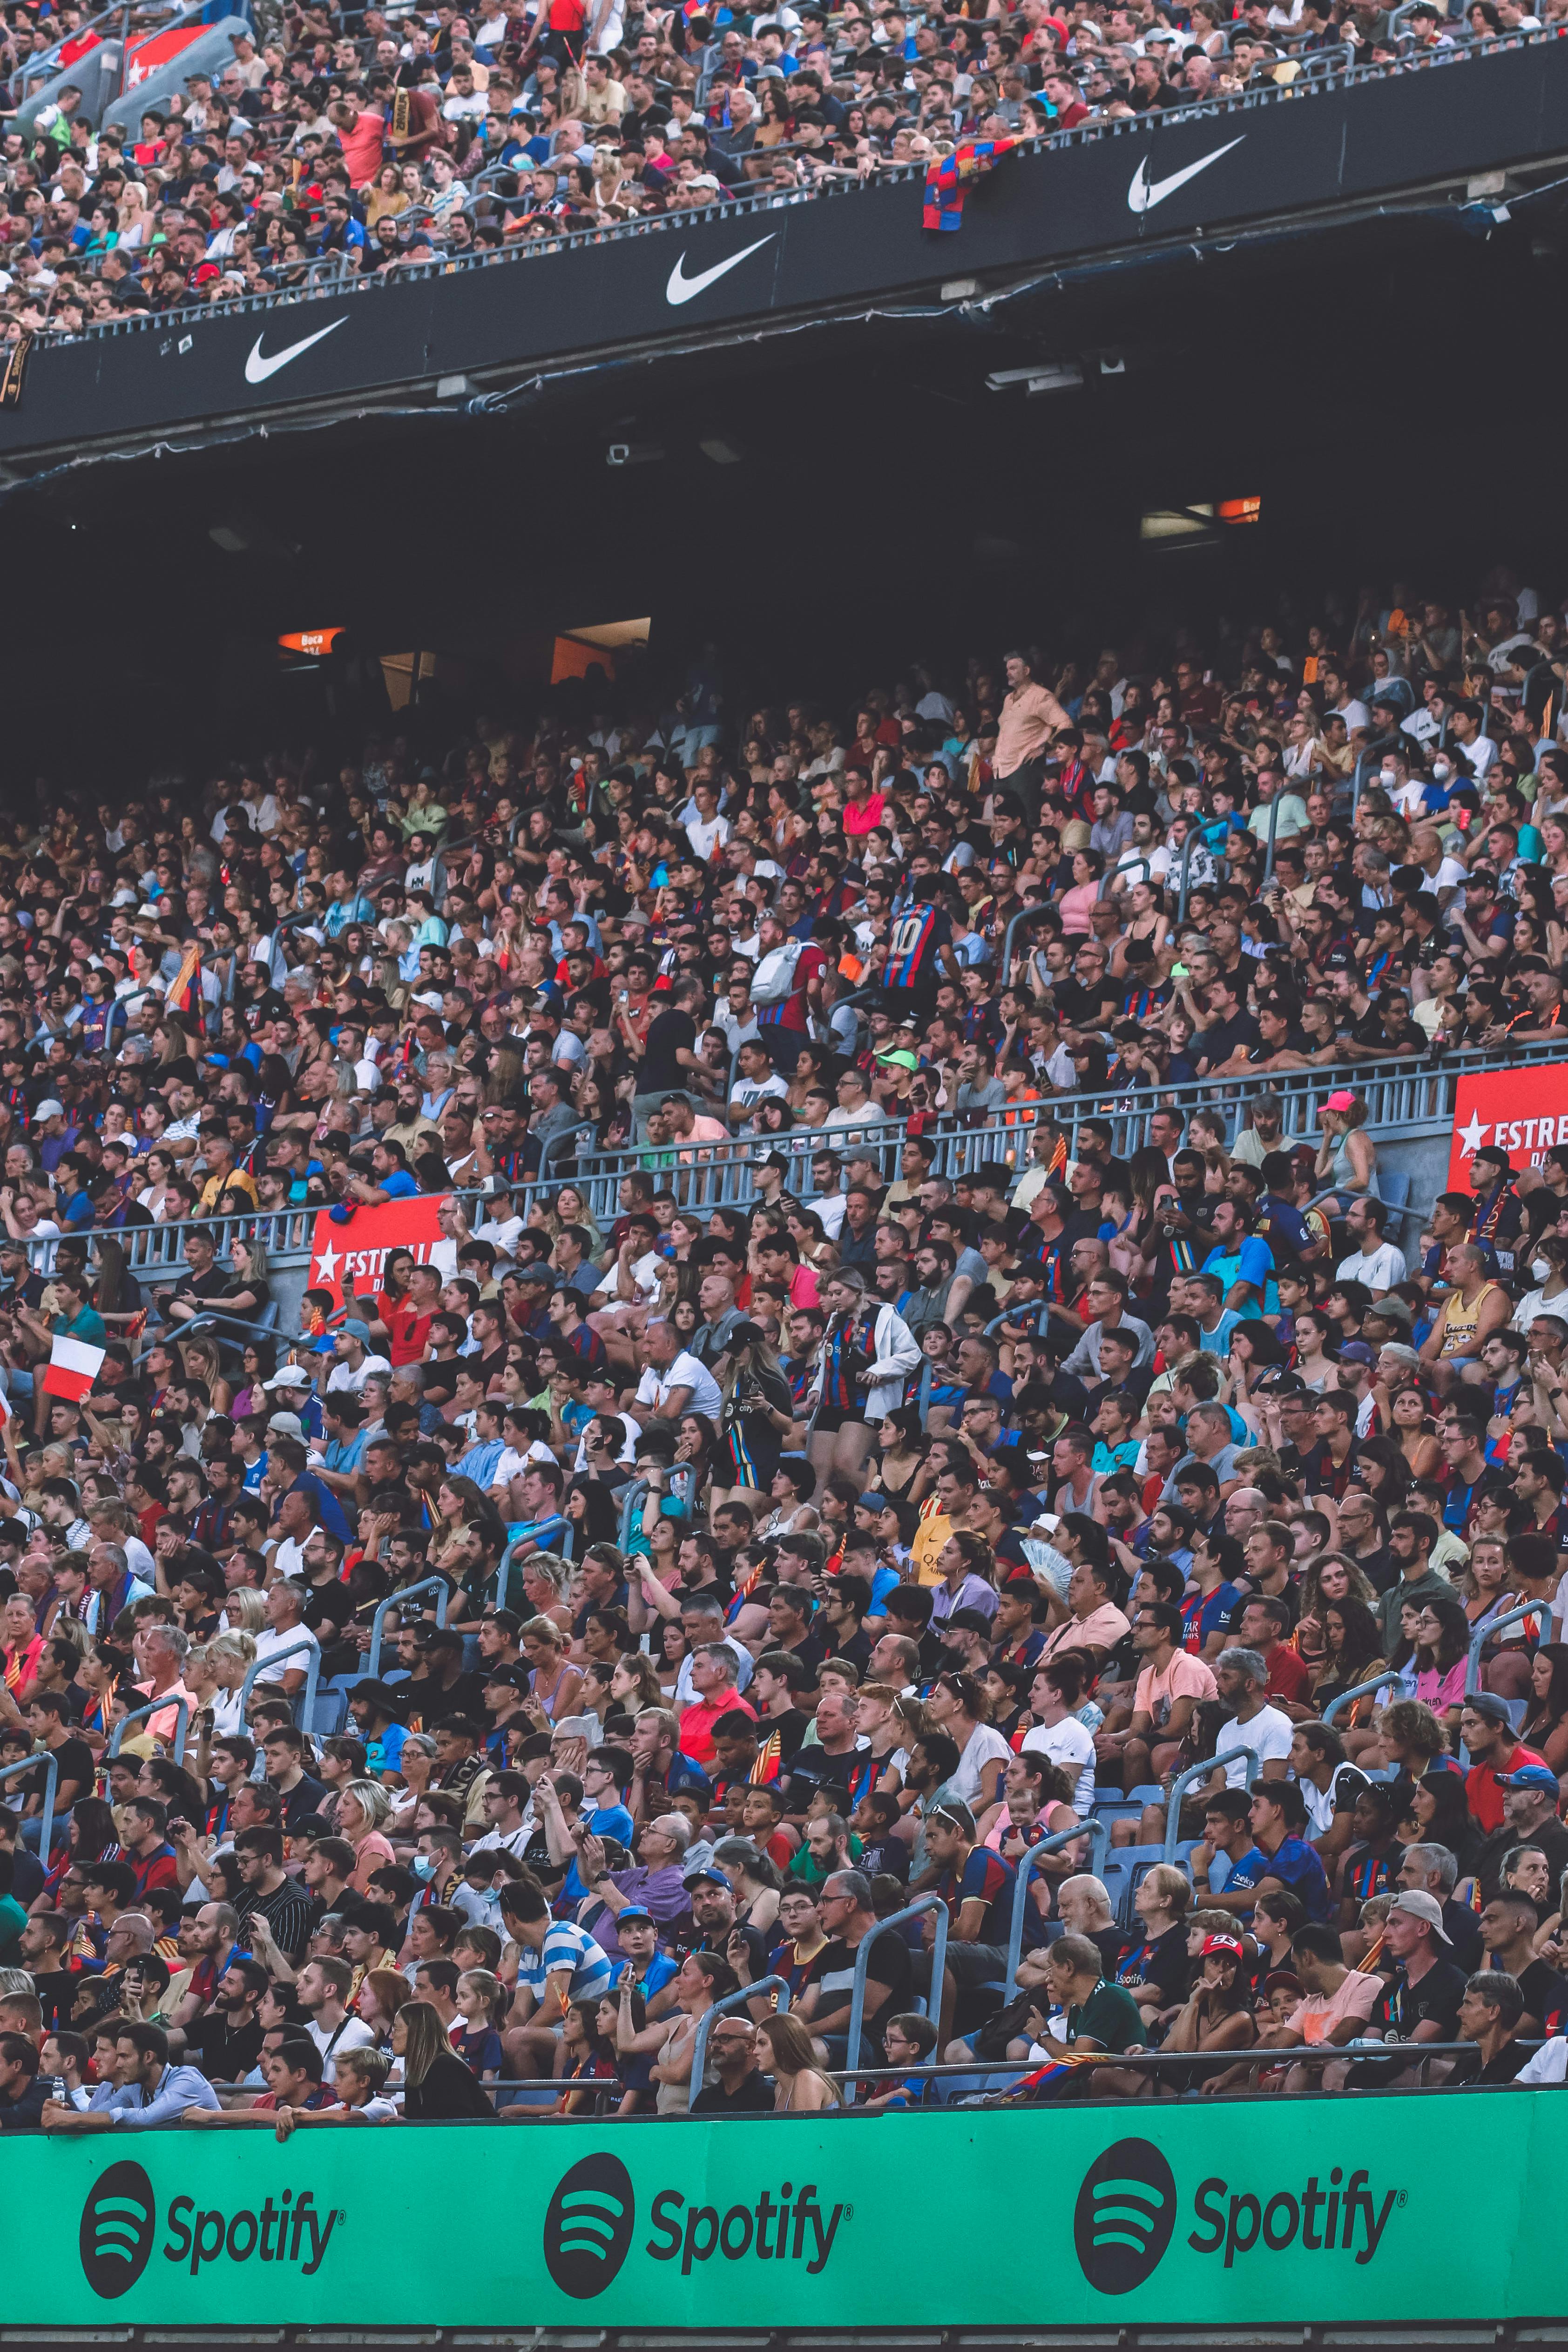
<point x="1185" y="1677"/>
<point x="1315" y="2018"/>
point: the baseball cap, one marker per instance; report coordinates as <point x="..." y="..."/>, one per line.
<point x="1489" y="1709"/>
<point x="638" y="1911"/>
<point x="50" y="1108"/>
<point x="1220" y="1944"/>
<point x="1419" y="1905"/>
<point x="903" y="1059"/>
<point x="702" y="1878"/>
<point x="288" y="1376"/>
<point x="285" y="1424"/>
<point x="352" y="1327"/>
<point x="1356" y="1352"/>
<point x="1341" y="1099"/>
<point x="1529" y="1776"/>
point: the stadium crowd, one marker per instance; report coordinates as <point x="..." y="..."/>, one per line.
<point x="769" y="1563"/>
<point x="374" y="142"/>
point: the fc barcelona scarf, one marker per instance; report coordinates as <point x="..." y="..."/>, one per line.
<point x="949" y="181"/>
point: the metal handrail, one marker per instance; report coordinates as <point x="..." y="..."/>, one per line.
<point x="154" y="1707"/>
<point x="1099" y="1835"/>
<point x="51" y="1764"/>
<point x="1183" y="1782"/>
<point x="915" y="1910"/>
<point x="721" y="2008"/>
<point x="1484" y="1634"/>
<point x="312" y="1673"/>
<point x="404" y="1592"/>
<point x="1361" y="1690"/>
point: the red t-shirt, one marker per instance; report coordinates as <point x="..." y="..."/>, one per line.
<point x="1482" y="1794"/>
<point x="1288" y="1677"/>
<point x="697" y="1722"/>
<point x="408" y="1330"/>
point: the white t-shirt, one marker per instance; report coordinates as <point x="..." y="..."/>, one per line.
<point x="1549" y="2064"/>
<point x="353" y="2033"/>
<point x="686" y="1372"/>
<point x="983" y="1746"/>
<point x="1069" y="1743"/>
<point x="269" y="1642"/>
<point x="1268" y="1735"/>
<point x="644" y="1274"/>
<point x="1380" y="1268"/>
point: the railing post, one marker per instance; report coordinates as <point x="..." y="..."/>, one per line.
<point x="1098" y="1836"/>
<point x="915" y="1910"/>
<point x="404" y="1592"/>
<point x="1361" y="1690"/>
<point x="308" y="1643"/>
<point x="1183" y="1782"/>
<point x="1187" y="848"/>
<point x="153" y="1707"/>
<point x="1484" y="1634"/>
<point x="719" y="2008"/>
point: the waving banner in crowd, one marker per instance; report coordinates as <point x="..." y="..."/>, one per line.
<point x="357" y="1245"/>
<point x="1522" y="1112"/>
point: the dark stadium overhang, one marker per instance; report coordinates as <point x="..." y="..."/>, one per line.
<point x="1460" y="141"/>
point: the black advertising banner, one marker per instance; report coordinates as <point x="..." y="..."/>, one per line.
<point x="685" y="277"/>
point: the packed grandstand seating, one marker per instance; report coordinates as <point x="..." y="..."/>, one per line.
<point x="335" y="146"/>
<point x="717" y="1410"/>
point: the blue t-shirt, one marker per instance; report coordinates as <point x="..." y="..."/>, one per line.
<point x="1296" y="1864"/>
<point x="399" y="1186"/>
<point x="1253" y="1263"/>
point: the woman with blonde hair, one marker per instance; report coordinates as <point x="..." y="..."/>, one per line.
<point x="362" y="1809"/>
<point x="786" y="2052"/>
<point x="199" y="1356"/>
<point x="552" y="1681"/>
<point x="214" y="1675"/>
<point x="244" y="1610"/>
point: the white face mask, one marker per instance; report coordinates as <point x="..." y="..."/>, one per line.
<point x="1441" y="770"/>
<point x="1539" y="1270"/>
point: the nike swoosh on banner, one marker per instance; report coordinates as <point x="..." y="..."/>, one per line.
<point x="1144" y="194"/>
<point x="258" y="370"/>
<point x="681" y="288"/>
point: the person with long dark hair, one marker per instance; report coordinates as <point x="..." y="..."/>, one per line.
<point x="1545" y="1725"/>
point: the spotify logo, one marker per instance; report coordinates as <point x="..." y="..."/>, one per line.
<point x="117" y="2228"/>
<point x="588" y="2228"/>
<point x="1125" y="2212"/>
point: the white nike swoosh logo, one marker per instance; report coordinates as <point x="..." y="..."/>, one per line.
<point x="258" y="370"/>
<point x="681" y="288"/>
<point x="1144" y="194"/>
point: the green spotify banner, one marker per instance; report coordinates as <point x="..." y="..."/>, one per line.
<point x="1331" y="2209"/>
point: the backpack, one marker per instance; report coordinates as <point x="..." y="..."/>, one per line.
<point x="776" y="974"/>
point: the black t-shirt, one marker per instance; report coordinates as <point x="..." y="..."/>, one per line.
<point x="448" y="2094"/>
<point x="811" y="1769"/>
<point x="305" y="1798"/>
<point x="57" y="1992"/>
<point x="1435" y="2000"/>
<point x="1546" y="1996"/>
<point x="751" y="2097"/>
<point x="1082" y="1007"/>
<point x="1162" y="1963"/>
<point x="889" y="1979"/>
<point x="73" y="1761"/>
<point x="1217" y="1044"/>
<point x="226" y="2052"/>
<point x="658" y="1072"/>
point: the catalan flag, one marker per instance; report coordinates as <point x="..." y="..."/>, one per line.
<point x="949" y="181"/>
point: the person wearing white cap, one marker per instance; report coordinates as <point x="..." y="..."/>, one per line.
<point x="1422" y="2004"/>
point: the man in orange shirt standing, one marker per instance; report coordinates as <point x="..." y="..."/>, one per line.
<point x="1030" y="717"/>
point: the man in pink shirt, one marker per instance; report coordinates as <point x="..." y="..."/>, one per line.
<point x="1171" y="1681"/>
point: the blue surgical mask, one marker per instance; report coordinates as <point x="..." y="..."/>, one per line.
<point x="424" y="1865"/>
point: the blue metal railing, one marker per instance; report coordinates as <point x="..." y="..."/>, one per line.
<point x="404" y="1592"/>
<point x="143" y="1714"/>
<point x="731" y="2001"/>
<point x="1098" y="1836"/>
<point x="915" y="1910"/>
<point x="51" y="1764"/>
<point x="1204" y="1771"/>
<point x="312" y="1650"/>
